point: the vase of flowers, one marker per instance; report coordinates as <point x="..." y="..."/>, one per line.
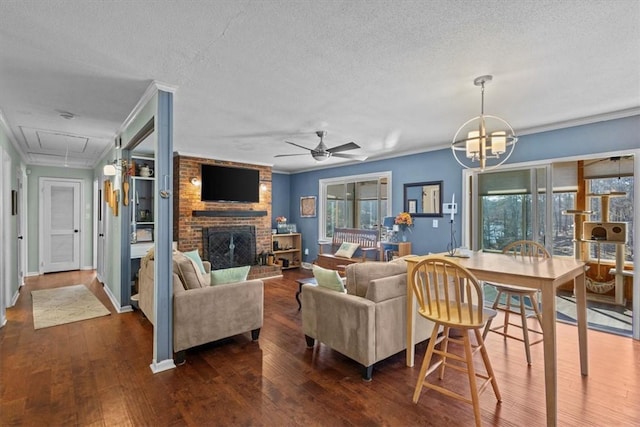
<point x="404" y="221"/>
<point x="283" y="228"/>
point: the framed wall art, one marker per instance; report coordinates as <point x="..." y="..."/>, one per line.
<point x="308" y="206"/>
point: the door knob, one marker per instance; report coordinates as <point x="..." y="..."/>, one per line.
<point x="75" y="231"/>
<point x="20" y="237"/>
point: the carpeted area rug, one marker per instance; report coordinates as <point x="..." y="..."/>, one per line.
<point x="67" y="304"/>
<point x="602" y="317"/>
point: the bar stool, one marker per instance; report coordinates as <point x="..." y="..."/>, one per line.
<point x="450" y="296"/>
<point x="514" y="302"/>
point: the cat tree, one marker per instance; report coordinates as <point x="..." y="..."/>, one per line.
<point x="598" y="235"/>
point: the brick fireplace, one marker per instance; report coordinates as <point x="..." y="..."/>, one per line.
<point x="227" y="247"/>
<point x="191" y="215"/>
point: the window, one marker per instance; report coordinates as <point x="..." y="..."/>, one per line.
<point x="507" y="202"/>
<point x="512" y="205"/>
<point x="563" y="224"/>
<point x="354" y="202"/>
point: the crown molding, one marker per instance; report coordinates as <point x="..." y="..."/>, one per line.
<point x="153" y="88"/>
<point x="613" y="115"/>
<point x="12" y="137"/>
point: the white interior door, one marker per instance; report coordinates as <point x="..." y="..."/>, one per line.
<point x="4" y="284"/>
<point x="60" y="225"/>
<point x="21" y="221"/>
<point x="100" y="235"/>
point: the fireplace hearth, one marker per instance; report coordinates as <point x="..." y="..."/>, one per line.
<point x="227" y="247"/>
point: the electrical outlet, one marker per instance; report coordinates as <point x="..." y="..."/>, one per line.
<point x="435" y="223"/>
<point x="306" y="251"/>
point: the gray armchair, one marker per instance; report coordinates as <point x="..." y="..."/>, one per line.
<point x="368" y="323"/>
<point x="203" y="313"/>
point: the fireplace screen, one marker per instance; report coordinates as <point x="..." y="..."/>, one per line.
<point x="230" y="246"/>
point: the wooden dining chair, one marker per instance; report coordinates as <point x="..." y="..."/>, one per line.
<point x="514" y="301"/>
<point x="450" y="296"/>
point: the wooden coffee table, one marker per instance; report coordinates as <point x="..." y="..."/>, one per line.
<point x="304" y="281"/>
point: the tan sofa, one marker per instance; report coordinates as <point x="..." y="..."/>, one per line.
<point x="203" y="313"/>
<point x="368" y="323"/>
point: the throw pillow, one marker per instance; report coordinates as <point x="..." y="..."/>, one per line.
<point x="188" y="272"/>
<point x="195" y="256"/>
<point x="229" y="275"/>
<point x="346" y="250"/>
<point x="328" y="279"/>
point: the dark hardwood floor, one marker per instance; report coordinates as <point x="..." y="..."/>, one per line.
<point x="96" y="372"/>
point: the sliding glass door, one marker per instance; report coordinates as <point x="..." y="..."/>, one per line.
<point x="511" y="205"/>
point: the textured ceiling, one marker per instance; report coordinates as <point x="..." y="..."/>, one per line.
<point x="393" y="76"/>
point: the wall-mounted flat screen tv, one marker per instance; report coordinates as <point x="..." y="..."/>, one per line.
<point x="229" y="184"/>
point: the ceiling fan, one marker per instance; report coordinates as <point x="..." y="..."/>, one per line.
<point x="322" y="153"/>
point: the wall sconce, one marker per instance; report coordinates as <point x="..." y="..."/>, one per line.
<point x="195" y="181"/>
<point x="263" y="187"/>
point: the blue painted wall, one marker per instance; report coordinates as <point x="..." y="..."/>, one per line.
<point x="280" y="196"/>
<point x="602" y="137"/>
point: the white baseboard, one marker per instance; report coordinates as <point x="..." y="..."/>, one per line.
<point x="114" y="301"/>
<point x="15" y="297"/>
<point x="164" y="365"/>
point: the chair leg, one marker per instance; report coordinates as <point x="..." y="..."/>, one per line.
<point x="310" y="341"/>
<point x="487" y="365"/>
<point x="508" y="304"/>
<point x="255" y="334"/>
<point x="536" y="308"/>
<point x="180" y="357"/>
<point x="367" y="373"/>
<point x="444" y="348"/>
<point x="468" y="355"/>
<point x="425" y="363"/>
<point x="525" y="329"/>
<point x="487" y="327"/>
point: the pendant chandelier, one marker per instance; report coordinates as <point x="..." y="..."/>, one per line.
<point x="485" y="141"/>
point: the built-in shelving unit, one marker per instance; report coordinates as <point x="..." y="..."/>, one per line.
<point x="141" y="199"/>
<point x="287" y="249"/>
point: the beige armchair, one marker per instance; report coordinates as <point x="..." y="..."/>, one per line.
<point x="368" y="323"/>
<point x="204" y="313"/>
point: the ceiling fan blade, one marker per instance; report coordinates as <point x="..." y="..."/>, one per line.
<point x="300" y="146"/>
<point x="350" y="156"/>
<point x="344" y="147"/>
<point x="289" y="155"/>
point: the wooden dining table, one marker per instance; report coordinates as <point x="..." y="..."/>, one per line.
<point x="543" y="274"/>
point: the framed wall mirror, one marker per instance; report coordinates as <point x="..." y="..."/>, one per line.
<point x="423" y="198"/>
